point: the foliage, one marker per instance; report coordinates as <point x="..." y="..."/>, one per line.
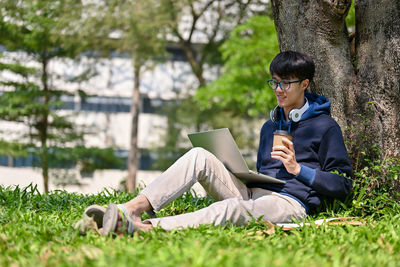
<point x="351" y="18"/>
<point x="40" y="28"/>
<point x="375" y="191"/>
<point x="35" y="27"/>
<point x="376" y="179"/>
<point x="15" y="149"/>
<point x="134" y="27"/>
<point x="376" y="187"/>
<point x="25" y="104"/>
<point x="172" y="148"/>
<point x="36" y="230"/>
<point x="137" y="28"/>
<point x="37" y="33"/>
<point x="183" y="113"/>
<point x="242" y="87"/>
<point x="200" y="27"/>
<point x="89" y="159"/>
<point x="229" y="101"/>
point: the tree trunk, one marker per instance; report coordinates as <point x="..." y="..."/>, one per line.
<point x="378" y="59"/>
<point x="351" y="81"/>
<point x="133" y="159"/>
<point x="43" y="127"/>
<point x="317" y="29"/>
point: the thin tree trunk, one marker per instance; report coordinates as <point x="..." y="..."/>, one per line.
<point x="133" y="159"/>
<point x="197" y="67"/>
<point x="43" y="127"/>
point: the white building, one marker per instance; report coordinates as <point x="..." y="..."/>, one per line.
<point x="107" y="113"/>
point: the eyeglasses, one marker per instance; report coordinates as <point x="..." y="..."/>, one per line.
<point x="284" y="85"/>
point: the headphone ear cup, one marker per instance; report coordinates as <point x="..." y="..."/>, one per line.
<point x="271" y="115"/>
<point x="274" y="114"/>
<point x="294" y="115"/>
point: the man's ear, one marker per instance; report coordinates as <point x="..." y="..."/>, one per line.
<point x="305" y="83"/>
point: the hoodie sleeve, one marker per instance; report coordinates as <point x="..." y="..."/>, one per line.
<point x="335" y="164"/>
<point x="261" y="145"/>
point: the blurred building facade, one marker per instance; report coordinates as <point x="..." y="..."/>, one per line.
<point x="105" y="111"/>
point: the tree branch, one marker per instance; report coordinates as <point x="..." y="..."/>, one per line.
<point x="197" y="16"/>
<point x="242" y="9"/>
<point x="211" y="38"/>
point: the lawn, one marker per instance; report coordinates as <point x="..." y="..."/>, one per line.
<point x="37" y="230"/>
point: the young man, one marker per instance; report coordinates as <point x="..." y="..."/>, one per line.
<point x="314" y="165"/>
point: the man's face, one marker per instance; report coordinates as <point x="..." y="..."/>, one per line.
<point x="291" y="95"/>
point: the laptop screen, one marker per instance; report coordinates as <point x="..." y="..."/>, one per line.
<point x="220" y="142"/>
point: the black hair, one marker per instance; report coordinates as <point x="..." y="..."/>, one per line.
<point x="290" y="64"/>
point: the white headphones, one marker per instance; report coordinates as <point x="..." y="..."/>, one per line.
<point x="294" y="114"/>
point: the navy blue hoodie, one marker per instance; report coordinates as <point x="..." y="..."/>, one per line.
<point x="320" y="151"/>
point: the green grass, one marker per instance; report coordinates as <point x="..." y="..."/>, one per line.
<point x="37" y="230"/>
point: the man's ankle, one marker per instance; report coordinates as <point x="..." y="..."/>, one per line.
<point x="138" y="205"/>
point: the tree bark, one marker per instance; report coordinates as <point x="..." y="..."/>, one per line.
<point x="350" y="81"/>
<point x="377" y="42"/>
<point x="317" y="29"/>
<point x="43" y="127"/>
<point x="133" y="159"/>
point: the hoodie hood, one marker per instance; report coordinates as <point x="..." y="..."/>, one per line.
<point x="318" y="105"/>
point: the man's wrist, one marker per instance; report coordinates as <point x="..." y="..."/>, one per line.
<point x="306" y="175"/>
<point x="297" y="170"/>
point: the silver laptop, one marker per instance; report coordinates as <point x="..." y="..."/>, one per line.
<point x="221" y="143"/>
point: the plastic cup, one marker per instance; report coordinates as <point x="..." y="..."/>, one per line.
<point x="278" y="135"/>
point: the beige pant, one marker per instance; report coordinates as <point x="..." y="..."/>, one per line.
<point x="235" y="203"/>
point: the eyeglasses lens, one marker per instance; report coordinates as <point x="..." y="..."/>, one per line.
<point x="283" y="85"/>
<point x="273" y="84"/>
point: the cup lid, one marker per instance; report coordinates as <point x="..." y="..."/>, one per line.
<point x="282" y="132"/>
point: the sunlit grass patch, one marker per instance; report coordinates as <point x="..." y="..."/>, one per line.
<point x="37" y="230"/>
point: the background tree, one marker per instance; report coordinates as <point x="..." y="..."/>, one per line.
<point x="358" y="71"/>
<point x="141" y="27"/>
<point x="30" y="27"/>
<point x="242" y="87"/>
<point x="199" y="27"/>
<point x="241" y="91"/>
<point x="39" y="32"/>
<point x="137" y="27"/>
